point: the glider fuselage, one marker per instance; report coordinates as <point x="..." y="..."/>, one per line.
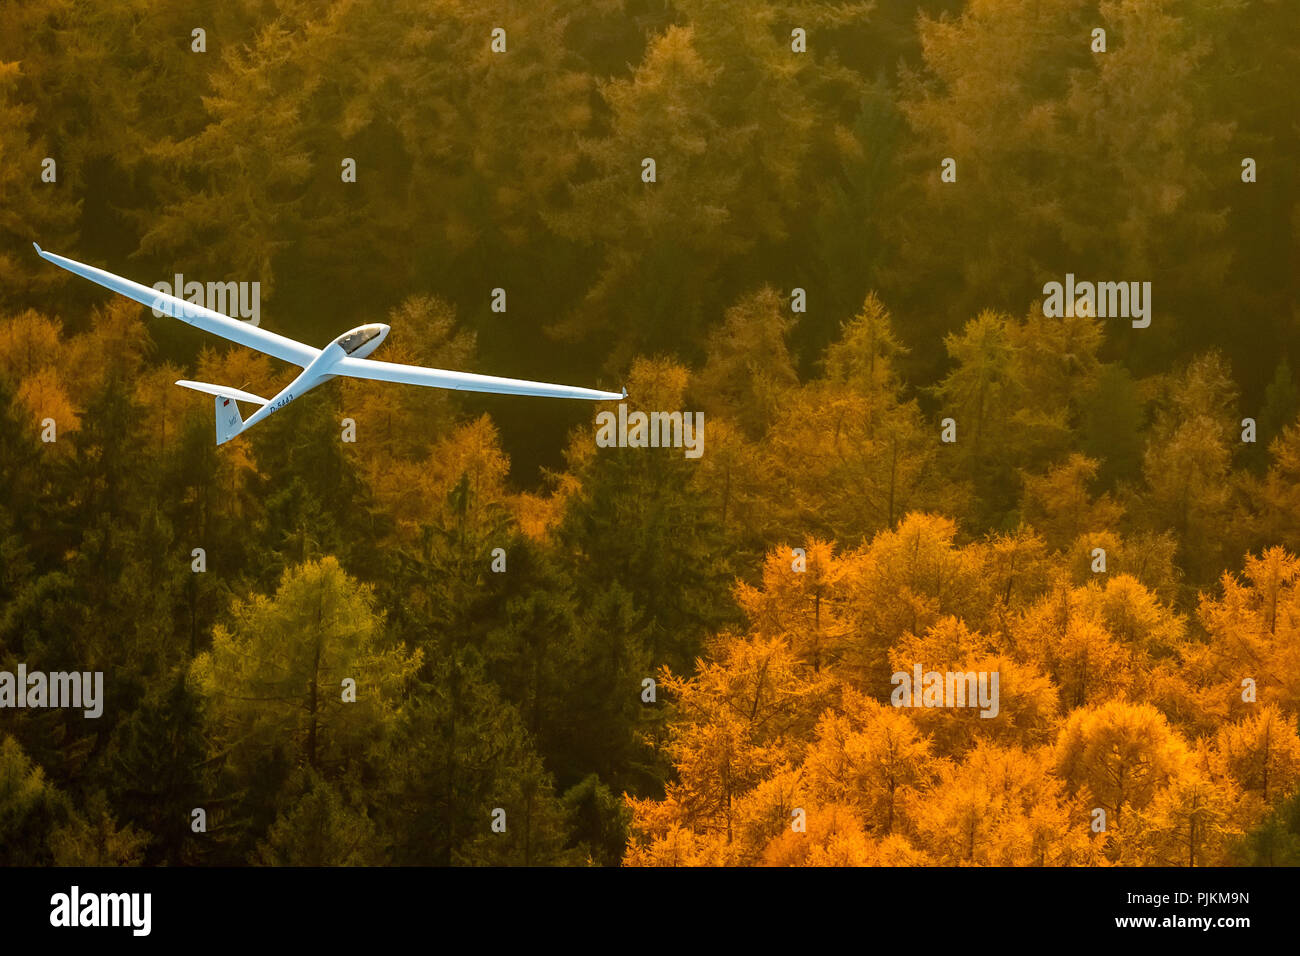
<point x="357" y="343"/>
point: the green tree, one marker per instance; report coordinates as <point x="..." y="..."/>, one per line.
<point x="461" y="753"/>
<point x="319" y="829"/>
<point x="275" y="679"/>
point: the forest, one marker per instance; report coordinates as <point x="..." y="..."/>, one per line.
<point x="402" y="626"/>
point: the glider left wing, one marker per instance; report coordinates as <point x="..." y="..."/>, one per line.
<point x="241" y="333"/>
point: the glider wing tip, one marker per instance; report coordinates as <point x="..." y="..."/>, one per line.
<point x="625" y="391"/>
<point x="37" y="247"/>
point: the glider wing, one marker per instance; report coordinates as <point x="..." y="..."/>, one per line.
<point x="463" y="381"/>
<point x="241" y="333"/>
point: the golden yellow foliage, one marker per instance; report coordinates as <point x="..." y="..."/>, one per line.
<point x="29" y="342"/>
<point x="1097" y="753"/>
<point x="43" y="395"/>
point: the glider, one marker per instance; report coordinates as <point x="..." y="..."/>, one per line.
<point x="346" y="356"/>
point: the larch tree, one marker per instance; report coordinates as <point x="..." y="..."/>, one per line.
<point x="1118" y="756"/>
<point x="305" y="671"/>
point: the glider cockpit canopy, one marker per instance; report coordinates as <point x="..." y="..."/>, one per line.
<point x="360" y="337"/>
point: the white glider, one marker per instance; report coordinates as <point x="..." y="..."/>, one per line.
<point x="346" y="355"/>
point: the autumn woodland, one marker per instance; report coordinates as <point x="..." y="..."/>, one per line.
<point x="395" y="625"/>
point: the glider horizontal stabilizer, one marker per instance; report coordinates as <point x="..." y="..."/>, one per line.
<point x="229" y="422"/>
<point x="225" y="391"/>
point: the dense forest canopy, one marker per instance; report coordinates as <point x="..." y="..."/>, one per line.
<point x="640" y="657"/>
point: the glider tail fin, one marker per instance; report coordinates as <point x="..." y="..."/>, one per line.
<point x="229" y="422"/>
